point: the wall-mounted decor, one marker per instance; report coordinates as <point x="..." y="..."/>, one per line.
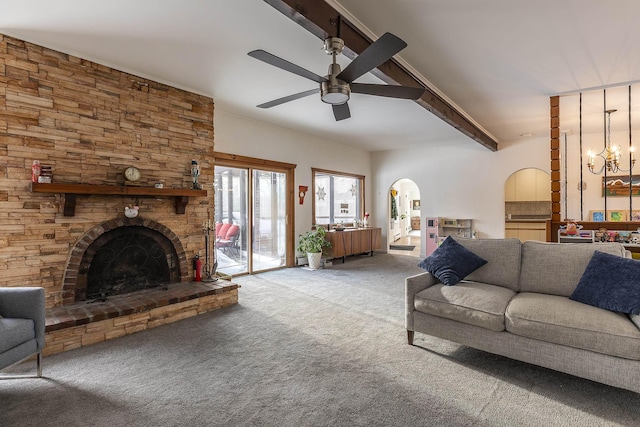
<point x="302" y="191"/>
<point x="415" y="205"/>
<point x="619" y="186"/>
<point x="635" y="216"/>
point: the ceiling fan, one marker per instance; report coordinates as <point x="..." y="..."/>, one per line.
<point x="336" y="87"/>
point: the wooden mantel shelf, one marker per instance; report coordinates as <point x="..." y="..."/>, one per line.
<point x="70" y="191"/>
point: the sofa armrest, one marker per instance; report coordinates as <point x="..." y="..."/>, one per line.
<point x="413" y="285"/>
<point x="25" y="303"/>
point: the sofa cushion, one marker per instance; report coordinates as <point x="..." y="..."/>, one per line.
<point x="562" y="321"/>
<point x="610" y="282"/>
<point x="476" y="304"/>
<point x="503" y="261"/>
<point x="635" y="318"/>
<point x="14" y="332"/>
<point x="556" y="268"/>
<point x="451" y="262"/>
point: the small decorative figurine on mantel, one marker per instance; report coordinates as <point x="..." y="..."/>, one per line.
<point x="195" y="173"/>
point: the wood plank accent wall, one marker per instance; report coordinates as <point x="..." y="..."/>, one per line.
<point x="89" y="122"/>
<point x="554" y="113"/>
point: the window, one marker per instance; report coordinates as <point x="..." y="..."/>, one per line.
<point x="337" y="197"/>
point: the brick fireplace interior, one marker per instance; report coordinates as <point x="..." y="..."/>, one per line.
<point x="125" y="256"/>
<point x="89" y="122"/>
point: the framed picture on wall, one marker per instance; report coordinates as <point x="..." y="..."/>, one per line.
<point x="619" y="186"/>
<point x="635" y="216"/>
<point x="415" y="205"/>
<point x="617" y="216"/>
<point x="597" y="216"/>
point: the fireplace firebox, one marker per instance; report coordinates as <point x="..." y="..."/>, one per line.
<point x="132" y="259"/>
<point x="122" y="256"/>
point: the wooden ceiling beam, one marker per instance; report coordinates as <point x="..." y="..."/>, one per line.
<point x="322" y="20"/>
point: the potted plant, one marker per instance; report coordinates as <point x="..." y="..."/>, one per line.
<point x="314" y="244"/>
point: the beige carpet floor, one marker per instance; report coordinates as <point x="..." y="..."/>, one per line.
<point x="305" y="348"/>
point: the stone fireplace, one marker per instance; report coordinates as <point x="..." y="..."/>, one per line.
<point x="123" y="255"/>
<point x="88" y="123"/>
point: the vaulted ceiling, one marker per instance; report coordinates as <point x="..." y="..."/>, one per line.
<point x="495" y="61"/>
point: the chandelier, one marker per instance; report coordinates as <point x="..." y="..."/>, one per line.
<point x="610" y="155"/>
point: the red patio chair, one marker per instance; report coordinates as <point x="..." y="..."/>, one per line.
<point x="229" y="243"/>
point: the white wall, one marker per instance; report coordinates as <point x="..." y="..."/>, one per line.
<point x="235" y="134"/>
<point x="459" y="179"/>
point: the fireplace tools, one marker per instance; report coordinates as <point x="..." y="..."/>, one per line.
<point x="209" y="269"/>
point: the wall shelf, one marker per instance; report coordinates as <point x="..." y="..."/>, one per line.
<point x="180" y="195"/>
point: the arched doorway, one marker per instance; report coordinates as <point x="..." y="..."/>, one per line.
<point x="527" y="196"/>
<point x="405" y="219"/>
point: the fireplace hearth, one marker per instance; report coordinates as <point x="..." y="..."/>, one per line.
<point x="135" y="255"/>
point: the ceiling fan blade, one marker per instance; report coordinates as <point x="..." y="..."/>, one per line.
<point x="377" y="53"/>
<point x="285" y="65"/>
<point x="288" y="98"/>
<point x="341" y="111"/>
<point x="391" y="91"/>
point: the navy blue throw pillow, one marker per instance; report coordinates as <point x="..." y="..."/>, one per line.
<point x="610" y="282"/>
<point x="451" y="262"/>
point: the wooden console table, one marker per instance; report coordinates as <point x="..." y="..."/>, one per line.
<point x="180" y="195"/>
<point x="353" y="241"/>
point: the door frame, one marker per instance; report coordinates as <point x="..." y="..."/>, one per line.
<point x="237" y="161"/>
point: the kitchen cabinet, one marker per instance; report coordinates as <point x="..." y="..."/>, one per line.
<point x="528" y="185"/>
<point x="529" y="230"/>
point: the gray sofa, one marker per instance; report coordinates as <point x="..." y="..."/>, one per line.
<point x="517" y="305"/>
<point x="22" y="324"/>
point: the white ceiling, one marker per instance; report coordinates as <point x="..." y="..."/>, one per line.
<point x="498" y="60"/>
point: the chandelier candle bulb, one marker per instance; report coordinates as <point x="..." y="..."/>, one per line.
<point x="610" y="154"/>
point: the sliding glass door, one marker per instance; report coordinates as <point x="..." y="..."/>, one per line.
<point x="252" y="206"/>
<point x="231" y="218"/>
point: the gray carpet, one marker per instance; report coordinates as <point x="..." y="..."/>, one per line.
<point x="305" y="348"/>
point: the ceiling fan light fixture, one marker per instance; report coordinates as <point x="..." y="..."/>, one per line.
<point x="334" y="93"/>
<point x="333" y="45"/>
<point x="336" y="87"/>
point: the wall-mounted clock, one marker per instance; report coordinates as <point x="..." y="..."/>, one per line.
<point x="132" y="173"/>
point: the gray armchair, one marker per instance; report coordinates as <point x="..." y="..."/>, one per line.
<point x="22" y="323"/>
